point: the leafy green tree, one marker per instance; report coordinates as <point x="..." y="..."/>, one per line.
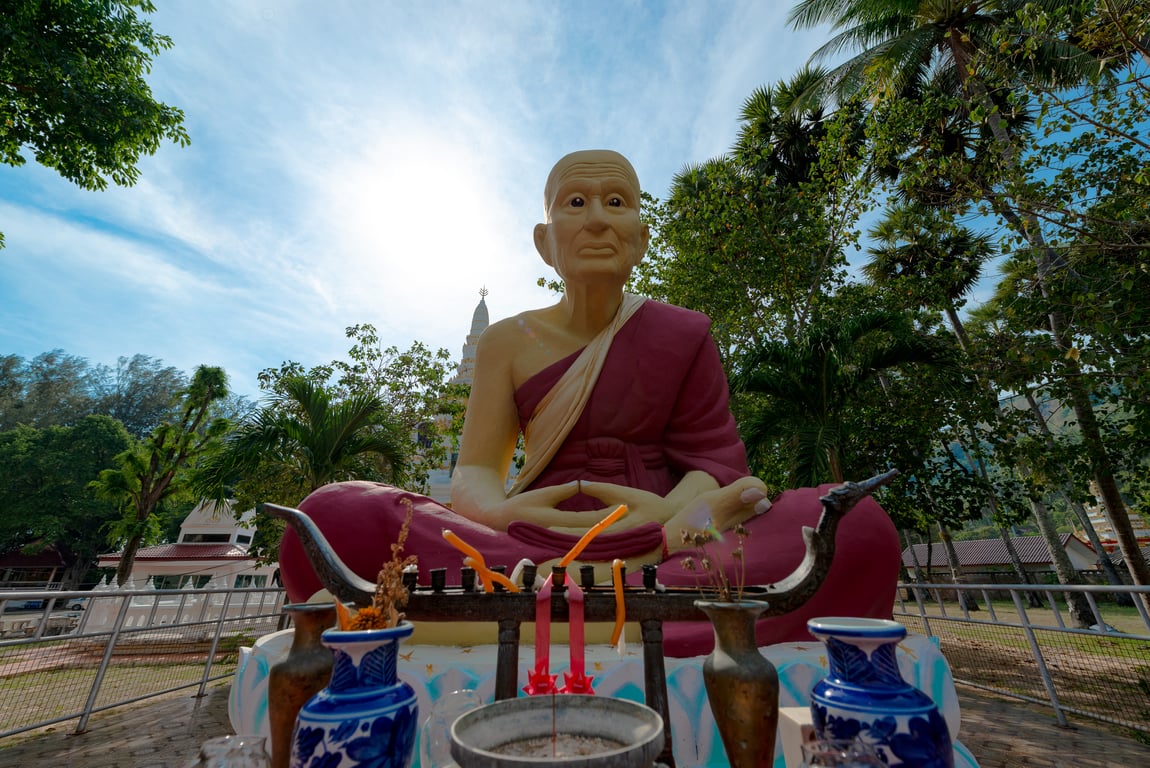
<point x="304" y="437"/>
<point x="413" y="387"/>
<point x="44" y="477"/>
<point x="147" y="475"/>
<point x="53" y="388"/>
<point x="72" y="88"/>
<point x="140" y="392"/>
<point x="808" y="385"/>
<point x="974" y="46"/>
<point x="757" y="238"/>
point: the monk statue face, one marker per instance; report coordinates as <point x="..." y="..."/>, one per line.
<point x="593" y="232"/>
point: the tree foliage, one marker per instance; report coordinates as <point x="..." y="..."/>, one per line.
<point x="1031" y="115"/>
<point x="414" y="389"/>
<point x="757" y="238"/>
<point x="73" y="88"/>
<point x="308" y="438"/>
<point x="808" y="385"/>
<point x="151" y="472"/>
<point x="44" y="477"/>
<point x="56" y="388"/>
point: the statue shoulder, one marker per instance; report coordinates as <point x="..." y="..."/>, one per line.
<point x="504" y="342"/>
<point x="676" y="317"/>
<point x="501" y="339"/>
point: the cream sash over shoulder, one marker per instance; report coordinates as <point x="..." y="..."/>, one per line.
<point x="559" y="410"/>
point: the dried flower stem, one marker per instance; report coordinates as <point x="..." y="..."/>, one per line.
<point x="717" y="578"/>
<point x="390" y="593"/>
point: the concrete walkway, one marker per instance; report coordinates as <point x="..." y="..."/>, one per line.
<point x="166" y="733"/>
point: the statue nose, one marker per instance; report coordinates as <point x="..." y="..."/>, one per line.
<point x="596" y="215"/>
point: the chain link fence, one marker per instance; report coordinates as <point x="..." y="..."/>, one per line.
<point x="997" y="638"/>
<point x="85" y="652"/>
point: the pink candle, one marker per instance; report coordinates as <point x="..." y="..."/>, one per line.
<point x="576" y="680"/>
<point x="540" y="680"/>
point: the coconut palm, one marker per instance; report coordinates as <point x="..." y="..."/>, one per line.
<point x="781" y="127"/>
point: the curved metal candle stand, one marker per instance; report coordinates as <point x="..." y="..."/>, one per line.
<point x="783" y="596"/>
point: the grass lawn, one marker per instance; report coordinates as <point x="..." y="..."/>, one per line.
<point x="1123" y="618"/>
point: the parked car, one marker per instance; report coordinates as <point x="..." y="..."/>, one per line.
<point x="76" y="603"/>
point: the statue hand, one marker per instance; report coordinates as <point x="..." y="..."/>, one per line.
<point x="536" y="506"/>
<point x="642" y="506"/>
<point x="721" y="509"/>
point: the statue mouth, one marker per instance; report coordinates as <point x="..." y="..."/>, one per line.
<point x="598" y="248"/>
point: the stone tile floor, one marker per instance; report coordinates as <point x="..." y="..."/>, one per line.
<point x="166" y="733"/>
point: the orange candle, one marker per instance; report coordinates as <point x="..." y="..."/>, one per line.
<point x="595" y="530"/>
<point x="461" y="545"/>
<point x="620" y="603"/>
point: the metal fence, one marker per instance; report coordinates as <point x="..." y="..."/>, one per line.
<point x="1018" y="640"/>
<point x="60" y="662"/>
<point x="85" y="652"/>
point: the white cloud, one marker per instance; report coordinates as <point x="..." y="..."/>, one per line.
<point x="364" y="162"/>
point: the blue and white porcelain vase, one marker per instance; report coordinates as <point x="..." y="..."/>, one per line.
<point x="864" y="696"/>
<point x="365" y="717"/>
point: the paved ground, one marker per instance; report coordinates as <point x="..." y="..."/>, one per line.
<point x="166" y="733"/>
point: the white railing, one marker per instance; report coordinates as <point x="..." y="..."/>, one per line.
<point x="59" y="664"/>
<point x="996" y="638"/>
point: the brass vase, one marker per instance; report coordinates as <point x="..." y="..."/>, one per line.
<point x="305" y="671"/>
<point x="742" y="684"/>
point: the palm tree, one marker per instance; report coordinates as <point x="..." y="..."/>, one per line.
<point x="808" y="385"/>
<point x="146" y="474"/>
<point x="781" y="127"/>
<point x="902" y="44"/>
<point x="306" y="435"/>
<point x="936" y="262"/>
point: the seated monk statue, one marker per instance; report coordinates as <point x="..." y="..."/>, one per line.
<point x="621" y="400"/>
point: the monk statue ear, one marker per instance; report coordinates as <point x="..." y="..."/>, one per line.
<point x="541" y="243"/>
<point x="645" y="240"/>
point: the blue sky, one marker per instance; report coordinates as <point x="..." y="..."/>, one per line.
<point x="365" y="162"/>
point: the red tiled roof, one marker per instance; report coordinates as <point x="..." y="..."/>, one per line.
<point x="185" y="552"/>
<point x="1031" y="550"/>
<point x="47" y="558"/>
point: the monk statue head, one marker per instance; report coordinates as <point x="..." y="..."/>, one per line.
<point x="592" y="230"/>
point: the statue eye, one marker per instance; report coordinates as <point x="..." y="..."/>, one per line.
<point x="577" y="202"/>
<point x="615" y="202"/>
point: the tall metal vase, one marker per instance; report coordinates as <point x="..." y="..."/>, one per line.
<point x="742" y="684"/>
<point x="305" y="671"/>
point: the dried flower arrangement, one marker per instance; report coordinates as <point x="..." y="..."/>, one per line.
<point x="719" y="584"/>
<point x="390" y="593"/>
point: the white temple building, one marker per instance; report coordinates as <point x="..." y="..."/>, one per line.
<point x="212" y="549"/>
<point x="439" y="480"/>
